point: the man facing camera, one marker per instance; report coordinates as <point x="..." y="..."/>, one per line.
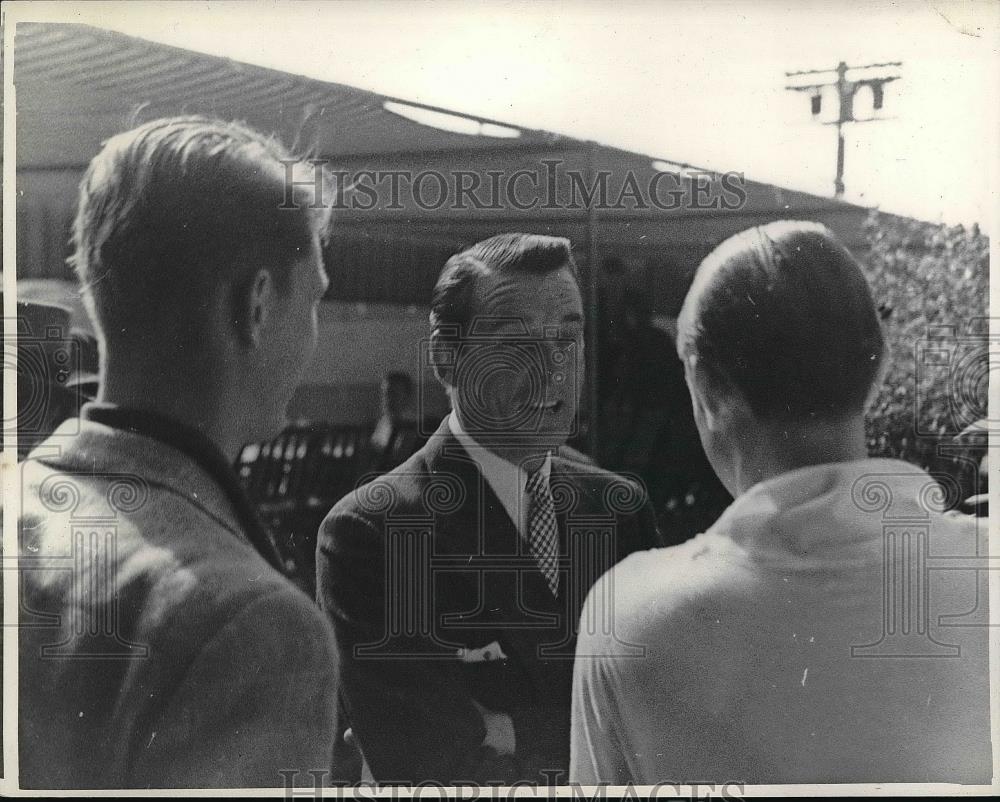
<point x="831" y="626"/>
<point x="160" y="644"/>
<point x="455" y="581"/>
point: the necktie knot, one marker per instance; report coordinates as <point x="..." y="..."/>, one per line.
<point x="537" y="483"/>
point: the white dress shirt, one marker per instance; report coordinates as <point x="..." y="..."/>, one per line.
<point x="506" y="479"/>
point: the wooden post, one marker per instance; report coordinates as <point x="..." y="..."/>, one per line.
<point x="592" y="312"/>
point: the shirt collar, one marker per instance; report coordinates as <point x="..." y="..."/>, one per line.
<point x="827" y="506"/>
<point x="200" y="449"/>
<point x="506" y="479"/>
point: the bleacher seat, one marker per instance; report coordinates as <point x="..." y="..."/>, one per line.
<point x="296" y="478"/>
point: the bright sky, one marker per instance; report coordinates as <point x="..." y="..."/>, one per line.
<point x="693" y="82"/>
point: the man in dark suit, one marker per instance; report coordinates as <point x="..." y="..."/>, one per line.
<point x="455" y="581"/>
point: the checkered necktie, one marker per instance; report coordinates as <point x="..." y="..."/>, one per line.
<point x="543" y="537"/>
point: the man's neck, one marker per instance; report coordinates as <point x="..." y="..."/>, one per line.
<point x="775" y="449"/>
<point x="189" y="401"/>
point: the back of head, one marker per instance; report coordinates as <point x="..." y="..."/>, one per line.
<point x="175" y="210"/>
<point x="783" y="315"/>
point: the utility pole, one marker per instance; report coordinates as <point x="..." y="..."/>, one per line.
<point x="846" y="89"/>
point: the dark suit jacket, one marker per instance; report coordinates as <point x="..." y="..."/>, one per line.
<point x="425" y="562"/>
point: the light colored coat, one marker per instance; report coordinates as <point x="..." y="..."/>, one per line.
<point x="157" y="648"/>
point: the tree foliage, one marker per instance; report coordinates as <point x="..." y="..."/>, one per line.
<point x="931" y="283"/>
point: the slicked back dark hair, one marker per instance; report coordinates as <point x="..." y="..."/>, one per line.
<point x="783" y="313"/>
<point x="176" y="208"/>
<point x="453" y="301"/>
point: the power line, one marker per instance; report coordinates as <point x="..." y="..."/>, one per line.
<point x="846" y="89"/>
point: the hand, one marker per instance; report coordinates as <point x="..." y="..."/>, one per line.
<point x="499" y="730"/>
<point x="351" y="740"/>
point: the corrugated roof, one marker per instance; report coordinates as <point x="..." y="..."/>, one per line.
<point x="77" y="85"/>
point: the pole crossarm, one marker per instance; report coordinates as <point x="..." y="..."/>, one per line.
<point x="846" y="90"/>
<point x="834" y="69"/>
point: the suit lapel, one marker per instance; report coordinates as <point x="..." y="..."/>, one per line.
<point x="504" y="592"/>
<point x="479" y="525"/>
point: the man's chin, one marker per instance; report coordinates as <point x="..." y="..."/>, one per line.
<point x="543" y="426"/>
<point x="558" y="422"/>
<point x="532" y="439"/>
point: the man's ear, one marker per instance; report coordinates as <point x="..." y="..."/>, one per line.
<point x="711" y="395"/>
<point x="443" y="353"/>
<point x="254" y="307"/>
